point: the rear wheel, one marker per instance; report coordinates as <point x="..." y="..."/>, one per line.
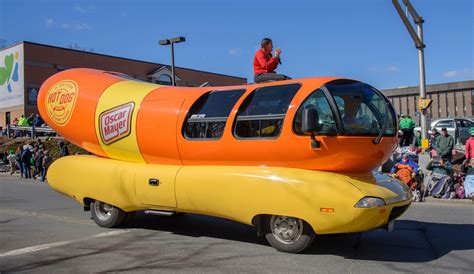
<point x="288" y="234"/>
<point x="106" y="215"/>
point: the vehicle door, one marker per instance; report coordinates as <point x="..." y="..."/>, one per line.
<point x="463" y="130"/>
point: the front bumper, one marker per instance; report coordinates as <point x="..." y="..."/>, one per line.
<point x="396" y="204"/>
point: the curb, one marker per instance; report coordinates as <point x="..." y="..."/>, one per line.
<point x="449" y="201"/>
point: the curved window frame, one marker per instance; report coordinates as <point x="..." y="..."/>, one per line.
<point x="338" y="117"/>
<point x="261" y="117"/>
<point x="198" y="104"/>
<point x="332" y="107"/>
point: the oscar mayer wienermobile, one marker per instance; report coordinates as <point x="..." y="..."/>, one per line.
<point x="294" y="158"/>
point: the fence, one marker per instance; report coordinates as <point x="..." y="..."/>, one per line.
<point x="30" y="130"/>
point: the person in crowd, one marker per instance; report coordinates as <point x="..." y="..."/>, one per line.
<point x="445" y="145"/>
<point x="405" y="160"/>
<point x="416" y="143"/>
<point x="26" y="160"/>
<point x="407" y="126"/>
<point x="38" y="159"/>
<point x="30" y="119"/>
<point x="265" y="64"/>
<point x="38" y="121"/>
<point x="3" y="157"/>
<point x="23" y="121"/>
<point x="46" y="162"/>
<point x="470" y="144"/>
<point x="15" y="122"/>
<point x="18" y="153"/>
<point x="434" y="136"/>
<point x="439" y="166"/>
<point x="12" y="161"/>
<point x="63" y="149"/>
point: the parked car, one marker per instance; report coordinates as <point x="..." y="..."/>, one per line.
<point x="457" y="127"/>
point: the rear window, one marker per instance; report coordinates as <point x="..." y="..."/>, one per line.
<point x="262" y="113"/>
<point x="208" y="115"/>
<point x="446" y="124"/>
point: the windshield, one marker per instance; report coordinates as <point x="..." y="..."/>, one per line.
<point x="363" y="110"/>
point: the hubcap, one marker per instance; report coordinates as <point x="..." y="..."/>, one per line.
<point x="103" y="210"/>
<point x="285" y="229"/>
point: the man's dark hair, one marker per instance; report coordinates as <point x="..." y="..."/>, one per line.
<point x="265" y="42"/>
<point x="444" y="129"/>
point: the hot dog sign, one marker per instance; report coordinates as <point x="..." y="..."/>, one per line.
<point x="60" y="101"/>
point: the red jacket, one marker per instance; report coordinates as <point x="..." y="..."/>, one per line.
<point x="264" y="62"/>
<point x="470" y="148"/>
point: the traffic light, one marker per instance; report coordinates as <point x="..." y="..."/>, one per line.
<point x="424" y="104"/>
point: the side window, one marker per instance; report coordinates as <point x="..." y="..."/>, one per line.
<point x="318" y="101"/>
<point x="208" y="115"/>
<point x="445" y="123"/>
<point x="262" y="113"/>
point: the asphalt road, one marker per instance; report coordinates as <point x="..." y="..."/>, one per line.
<point x="43" y="231"/>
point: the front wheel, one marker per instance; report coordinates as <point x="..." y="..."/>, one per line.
<point x="106" y="215"/>
<point x="288" y="234"/>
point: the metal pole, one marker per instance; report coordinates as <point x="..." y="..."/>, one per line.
<point x="421" y="68"/>
<point x="172" y="65"/>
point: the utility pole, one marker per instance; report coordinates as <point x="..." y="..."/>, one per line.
<point x="423" y="103"/>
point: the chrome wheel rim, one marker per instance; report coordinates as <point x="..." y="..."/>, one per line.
<point x="103" y="210"/>
<point x="287" y="230"/>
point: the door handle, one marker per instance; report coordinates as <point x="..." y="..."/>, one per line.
<point x="153" y="182"/>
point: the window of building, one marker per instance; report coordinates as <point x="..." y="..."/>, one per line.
<point x="319" y="102"/>
<point x="164" y="79"/>
<point x="208" y="115"/>
<point x="262" y="113"/>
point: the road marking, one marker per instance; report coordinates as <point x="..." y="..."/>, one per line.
<point x="46" y="216"/>
<point x="36" y="248"/>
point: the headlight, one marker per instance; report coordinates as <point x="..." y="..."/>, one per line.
<point x="370" y="202"/>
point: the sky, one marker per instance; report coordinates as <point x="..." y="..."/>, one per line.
<point x="360" y="39"/>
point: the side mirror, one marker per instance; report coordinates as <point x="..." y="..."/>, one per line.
<point x="310" y="125"/>
<point x="310" y="121"/>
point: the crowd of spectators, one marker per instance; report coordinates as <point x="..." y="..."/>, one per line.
<point x="33" y="120"/>
<point x="31" y="160"/>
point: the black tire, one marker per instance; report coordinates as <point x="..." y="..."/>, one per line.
<point x="106" y="215"/>
<point x="300" y="237"/>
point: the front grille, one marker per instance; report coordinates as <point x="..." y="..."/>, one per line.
<point x="396" y="212"/>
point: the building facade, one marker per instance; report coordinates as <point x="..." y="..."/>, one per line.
<point x="25" y="66"/>
<point x="454" y="99"/>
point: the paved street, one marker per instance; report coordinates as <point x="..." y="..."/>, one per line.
<point x="43" y="231"/>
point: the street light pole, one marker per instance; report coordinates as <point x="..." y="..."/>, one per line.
<point x="419" y="44"/>
<point x="173" y="80"/>
<point x="171" y="42"/>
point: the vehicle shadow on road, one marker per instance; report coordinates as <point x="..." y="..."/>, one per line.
<point x="411" y="241"/>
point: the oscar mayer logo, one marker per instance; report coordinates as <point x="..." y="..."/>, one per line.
<point x="60" y="101"/>
<point x="115" y="123"/>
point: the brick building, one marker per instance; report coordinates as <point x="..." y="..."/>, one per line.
<point x="454" y="99"/>
<point x="25" y="66"/>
